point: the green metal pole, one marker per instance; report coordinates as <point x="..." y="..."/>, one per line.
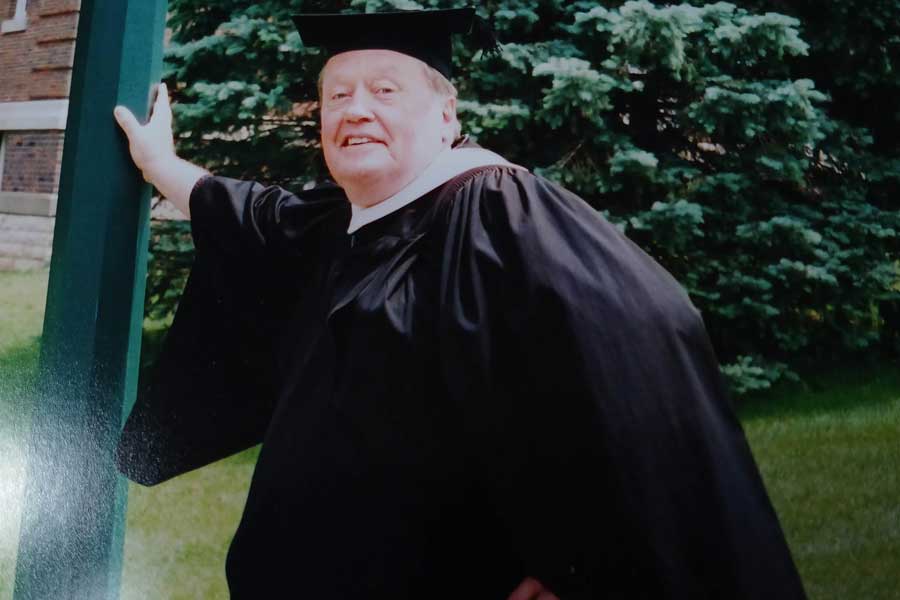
<point x="74" y="505"/>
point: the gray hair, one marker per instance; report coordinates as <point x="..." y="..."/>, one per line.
<point x="445" y="89"/>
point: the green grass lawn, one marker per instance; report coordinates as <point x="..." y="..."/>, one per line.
<point x="21" y="310"/>
<point x="177" y="532"/>
<point x="829" y="452"/>
<point x="831" y="461"/>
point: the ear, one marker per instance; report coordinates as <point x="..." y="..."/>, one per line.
<point x="449" y="110"/>
<point x="448" y="119"/>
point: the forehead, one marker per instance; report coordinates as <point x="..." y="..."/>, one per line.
<point x="367" y="64"/>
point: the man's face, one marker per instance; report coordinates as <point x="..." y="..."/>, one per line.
<point x="382" y="123"/>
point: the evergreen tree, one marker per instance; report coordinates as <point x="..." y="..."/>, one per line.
<point x="700" y="130"/>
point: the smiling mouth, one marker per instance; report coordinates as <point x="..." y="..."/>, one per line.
<point x="353" y="141"/>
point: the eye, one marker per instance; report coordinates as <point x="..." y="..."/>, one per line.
<point x="339" y="95"/>
<point x="384" y="90"/>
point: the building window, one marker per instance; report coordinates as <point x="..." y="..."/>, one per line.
<point x="18" y="21"/>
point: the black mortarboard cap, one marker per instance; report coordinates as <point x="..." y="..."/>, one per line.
<point x="423" y="34"/>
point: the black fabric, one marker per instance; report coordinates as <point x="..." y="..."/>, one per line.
<point x="423" y="34"/>
<point x="488" y="384"/>
<point x="214" y="385"/>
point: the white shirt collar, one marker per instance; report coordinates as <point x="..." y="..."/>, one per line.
<point x="447" y="165"/>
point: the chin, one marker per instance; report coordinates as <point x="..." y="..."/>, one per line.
<point x="344" y="167"/>
<point x="361" y="173"/>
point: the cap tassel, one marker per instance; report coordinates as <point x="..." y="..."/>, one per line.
<point x="485" y="37"/>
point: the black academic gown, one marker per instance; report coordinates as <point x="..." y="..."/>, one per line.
<point x="488" y="384"/>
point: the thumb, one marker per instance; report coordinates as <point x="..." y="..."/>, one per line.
<point x="126" y="120"/>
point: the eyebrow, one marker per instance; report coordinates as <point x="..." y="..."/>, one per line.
<point x="388" y="70"/>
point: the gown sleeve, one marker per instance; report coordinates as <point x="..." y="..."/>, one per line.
<point x="594" y="414"/>
<point x="213" y="387"/>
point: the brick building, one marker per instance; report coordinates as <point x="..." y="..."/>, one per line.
<point x="37" y="46"/>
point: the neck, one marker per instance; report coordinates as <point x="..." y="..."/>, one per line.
<point x="371" y="192"/>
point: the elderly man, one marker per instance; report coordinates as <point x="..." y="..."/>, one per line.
<point x="466" y="383"/>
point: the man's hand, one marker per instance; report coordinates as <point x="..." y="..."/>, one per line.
<point x="153" y="152"/>
<point x="152" y="144"/>
<point x="531" y="589"/>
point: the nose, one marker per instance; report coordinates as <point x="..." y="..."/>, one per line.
<point x="358" y="108"/>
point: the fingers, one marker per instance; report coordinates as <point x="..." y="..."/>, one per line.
<point x="162" y="113"/>
<point x="529" y="589"/>
<point x="532" y="589"/>
<point x="162" y="108"/>
<point x="126" y="120"/>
